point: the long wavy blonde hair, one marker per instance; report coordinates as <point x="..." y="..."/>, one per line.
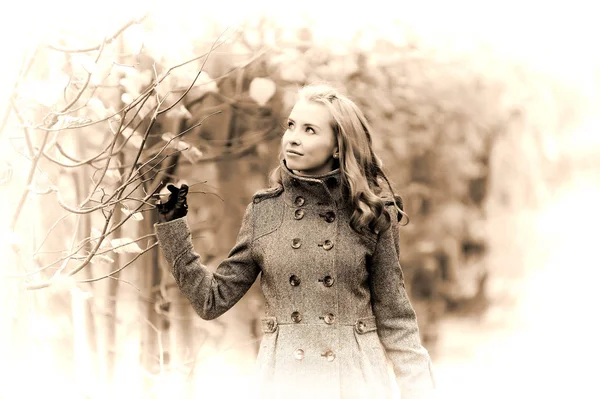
<point x="361" y="170"/>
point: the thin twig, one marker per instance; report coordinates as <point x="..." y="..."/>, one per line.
<point x="63" y="217"/>
<point x="149" y="89"/>
<point x="106" y="40"/>
<point x="99" y="156"/>
<point x="66" y="261"/>
<point x="176" y="137"/>
<point x="47" y="283"/>
<point x="86" y="261"/>
<point x="120" y="280"/>
<point x="133" y="175"/>
<point x="193" y="82"/>
<point x="25" y="68"/>
<point x="85" y="84"/>
<point x="26" y="133"/>
<point x="25" y="192"/>
<point x="119" y="269"/>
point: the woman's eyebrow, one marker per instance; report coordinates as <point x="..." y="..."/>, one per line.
<point x="306" y="124"/>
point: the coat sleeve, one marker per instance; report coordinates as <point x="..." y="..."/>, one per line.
<point x="210" y="293"/>
<point x="396" y="319"/>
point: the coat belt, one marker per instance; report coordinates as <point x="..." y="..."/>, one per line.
<point x="361" y="325"/>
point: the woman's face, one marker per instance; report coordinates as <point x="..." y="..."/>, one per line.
<point x="309" y="143"/>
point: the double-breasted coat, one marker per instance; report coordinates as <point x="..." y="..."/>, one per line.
<point x="337" y="310"/>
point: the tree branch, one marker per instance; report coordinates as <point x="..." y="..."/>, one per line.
<point x="106" y="40"/>
<point x="24" y="71"/>
<point x="25" y="192"/>
<point x="91" y="280"/>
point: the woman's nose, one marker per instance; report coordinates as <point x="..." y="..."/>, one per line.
<point x="292" y="137"/>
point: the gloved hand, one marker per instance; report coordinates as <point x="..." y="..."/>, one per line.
<point x="176" y="206"/>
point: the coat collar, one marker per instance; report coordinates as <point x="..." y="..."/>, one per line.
<point x="315" y="191"/>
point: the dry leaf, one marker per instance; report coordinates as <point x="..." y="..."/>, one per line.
<point x="193" y="154"/>
<point x="125" y="245"/>
<point x="262" y="90"/>
<point x="134" y="215"/>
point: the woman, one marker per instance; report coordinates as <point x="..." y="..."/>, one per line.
<point x="325" y="240"/>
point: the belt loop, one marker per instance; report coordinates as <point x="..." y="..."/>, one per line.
<point x="268" y="324"/>
<point x="365" y="324"/>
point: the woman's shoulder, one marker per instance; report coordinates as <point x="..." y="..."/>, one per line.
<point x="266" y="193"/>
<point x="267" y="210"/>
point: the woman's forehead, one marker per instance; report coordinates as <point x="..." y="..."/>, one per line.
<point x="309" y="112"/>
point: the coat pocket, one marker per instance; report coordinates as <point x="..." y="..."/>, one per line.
<point x="265" y="361"/>
<point x="371" y="355"/>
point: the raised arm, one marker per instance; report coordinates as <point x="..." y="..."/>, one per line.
<point x="211" y="294"/>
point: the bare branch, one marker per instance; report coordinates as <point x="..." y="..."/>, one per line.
<point x="60" y="219"/>
<point x="26" y="133"/>
<point x="176" y="137"/>
<point x="85" y="84"/>
<point x="103" y="235"/>
<point x="97" y="157"/>
<point x="234" y="69"/>
<point x="124" y="110"/>
<point x="91" y="280"/>
<point x="86" y="261"/>
<point x="193" y="82"/>
<point x="102" y="205"/>
<point x="79" y="257"/>
<point x="25" y="192"/>
<point x="138" y="174"/>
<point x="47" y="283"/>
<point x="26" y="67"/>
<point x="106" y="40"/>
<point x="66" y="261"/>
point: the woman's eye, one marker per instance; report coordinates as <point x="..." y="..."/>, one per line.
<point x="290" y="125"/>
<point x="310" y="130"/>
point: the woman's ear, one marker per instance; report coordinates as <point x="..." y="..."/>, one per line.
<point x="336" y="152"/>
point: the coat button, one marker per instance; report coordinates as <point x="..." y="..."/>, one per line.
<point x="329" y="355"/>
<point x="327" y="245"/>
<point x="296" y="243"/>
<point x="361" y="326"/>
<point x="329" y="318"/>
<point x="296" y="317"/>
<point x="299" y="201"/>
<point x="299" y="354"/>
<point x="299" y="214"/>
<point x="270" y="326"/>
<point x="328" y="281"/>
<point x="294" y="280"/>
<point x="330" y="217"/>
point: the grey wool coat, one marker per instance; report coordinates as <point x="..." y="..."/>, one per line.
<point x="337" y="310"/>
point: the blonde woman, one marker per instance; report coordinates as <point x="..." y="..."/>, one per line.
<point x="324" y="239"/>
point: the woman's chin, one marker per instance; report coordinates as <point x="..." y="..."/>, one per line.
<point x="295" y="167"/>
<point x="293" y="164"/>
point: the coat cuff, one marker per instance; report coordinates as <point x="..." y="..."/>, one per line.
<point x="174" y="238"/>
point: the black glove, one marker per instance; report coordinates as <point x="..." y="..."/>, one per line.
<point x="176" y="206"/>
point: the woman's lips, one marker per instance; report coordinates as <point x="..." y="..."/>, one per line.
<point x="291" y="152"/>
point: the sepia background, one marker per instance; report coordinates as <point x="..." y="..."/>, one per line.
<point x="486" y="116"/>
